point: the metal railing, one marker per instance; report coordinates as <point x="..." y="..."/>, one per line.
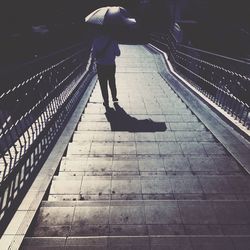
<point x="223" y="80"/>
<point x="33" y="113"/>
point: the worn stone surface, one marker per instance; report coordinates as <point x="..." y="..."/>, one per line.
<point x="142" y="185"/>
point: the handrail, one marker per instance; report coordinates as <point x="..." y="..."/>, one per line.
<point x="227" y="88"/>
<point x="214" y="54"/>
<point x="231" y="64"/>
<point x="32" y="115"/>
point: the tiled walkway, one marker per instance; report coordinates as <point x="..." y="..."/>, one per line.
<point x="167" y="182"/>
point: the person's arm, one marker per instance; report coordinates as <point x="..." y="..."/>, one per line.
<point x="117" y="49"/>
<point x="93" y="51"/>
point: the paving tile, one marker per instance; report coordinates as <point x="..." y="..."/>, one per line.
<point x="125" y="165"/>
<point x="73" y="164"/>
<point x="205" y="136"/>
<point x="184" y="126"/>
<point x="125" y="230"/>
<point x="48" y="216"/>
<point x="88" y="242"/>
<point x="49" y="243"/>
<point x="96" y="126"/>
<point x="89" y="230"/>
<point x="156" y="186"/>
<point x="126" y="173"/>
<point x="200" y="230"/>
<point x="51" y="231"/>
<point x="147" y="148"/>
<point x="79" y="148"/>
<point x="129" y="243"/>
<point x="173" y="118"/>
<point x="220" y="196"/>
<point x="124" y="136"/>
<point x="99" y="164"/>
<point x="169" y="148"/>
<point x="236" y="229"/>
<point x="151" y="164"/>
<point x="189" y="118"/>
<point x="126" y="187"/>
<point x="193" y="148"/>
<point x="239" y="184"/>
<point x="166" y="136"/>
<point x="66" y="186"/>
<point x="124" y="148"/>
<point x="185" y="136"/>
<point x="93" y="118"/>
<point x="102" y="148"/>
<point x="199" y="163"/>
<point x="165" y="196"/>
<point x="133" y="215"/>
<point x="144" y="137"/>
<point x="196" y="212"/>
<point x="224" y="163"/>
<point x="82" y="137"/>
<point x="63" y="197"/>
<point x="176" y="163"/>
<point x="215" y="184"/>
<point x="158" y="118"/>
<point x="212" y="243"/>
<point x="214" y="148"/>
<point x="90" y="216"/>
<point x="163" y="214"/>
<point x="166" y="229"/>
<point x="177" y="243"/>
<point x="103" y="137"/>
<point x="241" y="243"/>
<point x="187" y="184"/>
<point x="232" y="212"/>
<point x="97" y="186"/>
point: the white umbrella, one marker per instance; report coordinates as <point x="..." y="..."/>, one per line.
<point x="110" y="15"/>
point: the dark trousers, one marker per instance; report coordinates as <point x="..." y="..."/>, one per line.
<point x="106" y="75"/>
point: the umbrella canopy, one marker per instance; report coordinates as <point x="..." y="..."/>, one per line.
<point x="110" y="15"/>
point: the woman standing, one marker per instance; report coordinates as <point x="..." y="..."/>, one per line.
<point x="105" y="49"/>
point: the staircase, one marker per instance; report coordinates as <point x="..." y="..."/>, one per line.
<point x="151" y="188"/>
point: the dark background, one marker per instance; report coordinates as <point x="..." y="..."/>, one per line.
<point x="31" y="29"/>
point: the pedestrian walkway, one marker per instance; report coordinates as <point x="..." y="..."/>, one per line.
<point x="147" y="174"/>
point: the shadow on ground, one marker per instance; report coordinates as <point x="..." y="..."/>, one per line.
<point x="120" y="121"/>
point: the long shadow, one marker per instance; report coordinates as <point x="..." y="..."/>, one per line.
<point x="120" y="121"/>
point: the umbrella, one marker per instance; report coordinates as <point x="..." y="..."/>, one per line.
<point x="110" y="15"/>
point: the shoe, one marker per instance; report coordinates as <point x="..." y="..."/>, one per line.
<point x="115" y="100"/>
<point x="106" y="105"/>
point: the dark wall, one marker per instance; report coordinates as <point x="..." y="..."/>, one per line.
<point x="218" y="21"/>
<point x="219" y="26"/>
<point x="62" y="18"/>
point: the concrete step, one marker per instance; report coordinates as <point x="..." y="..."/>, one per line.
<point x="178" y="136"/>
<point x="172" y="126"/>
<point x="153" y="165"/>
<point x="145" y="147"/>
<point x="142" y="218"/>
<point x="158" y="118"/>
<point x="139" y="243"/>
<point x="150" y="111"/>
<point x="132" y="186"/>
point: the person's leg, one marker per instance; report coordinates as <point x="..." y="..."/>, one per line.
<point x="103" y="80"/>
<point x="112" y="83"/>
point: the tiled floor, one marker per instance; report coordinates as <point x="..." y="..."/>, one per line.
<point x="166" y="180"/>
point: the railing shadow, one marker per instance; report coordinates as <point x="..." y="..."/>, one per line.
<point x="32" y="116"/>
<point x="121" y="121"/>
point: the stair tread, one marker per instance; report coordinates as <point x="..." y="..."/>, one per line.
<point x="179" y="242"/>
<point x="137" y="217"/>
